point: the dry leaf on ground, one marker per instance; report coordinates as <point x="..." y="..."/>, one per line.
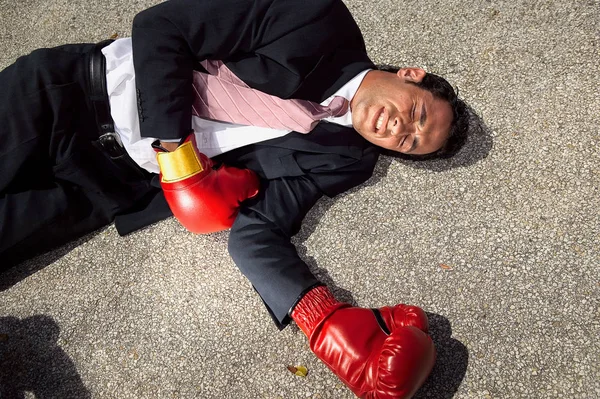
<point x="300" y="371"/>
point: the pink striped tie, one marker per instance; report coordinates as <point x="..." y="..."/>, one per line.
<point x="222" y="96"/>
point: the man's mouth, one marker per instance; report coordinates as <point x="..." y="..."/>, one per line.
<point x="381" y="122"/>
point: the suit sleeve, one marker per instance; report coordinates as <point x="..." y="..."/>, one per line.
<point x="260" y="245"/>
<point x="171" y="38"/>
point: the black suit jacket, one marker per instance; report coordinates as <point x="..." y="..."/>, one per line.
<point x="305" y="49"/>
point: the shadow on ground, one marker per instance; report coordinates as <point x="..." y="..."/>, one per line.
<point x="451" y="363"/>
<point x="31" y="361"/>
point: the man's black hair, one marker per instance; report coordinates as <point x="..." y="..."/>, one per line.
<point x="459" y="128"/>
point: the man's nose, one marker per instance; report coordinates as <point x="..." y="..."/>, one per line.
<point x="397" y="127"/>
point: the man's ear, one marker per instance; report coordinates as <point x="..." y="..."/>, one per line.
<point x="413" y="75"/>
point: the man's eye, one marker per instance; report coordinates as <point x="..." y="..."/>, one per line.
<point x="410" y="143"/>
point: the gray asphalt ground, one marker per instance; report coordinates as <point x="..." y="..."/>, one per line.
<point x="515" y="217"/>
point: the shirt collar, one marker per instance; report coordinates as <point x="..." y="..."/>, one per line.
<point x="347" y="91"/>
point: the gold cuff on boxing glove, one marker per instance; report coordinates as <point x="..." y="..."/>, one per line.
<point x="179" y="164"/>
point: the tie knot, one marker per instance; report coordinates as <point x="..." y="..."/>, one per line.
<point x="338" y="106"/>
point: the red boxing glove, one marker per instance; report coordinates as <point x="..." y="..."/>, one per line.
<point x="386" y="358"/>
<point x="203" y="199"/>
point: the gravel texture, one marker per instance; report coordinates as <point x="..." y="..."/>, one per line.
<point x="515" y="218"/>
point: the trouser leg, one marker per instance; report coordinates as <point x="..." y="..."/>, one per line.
<point x="29" y="228"/>
<point x="55" y="185"/>
<point x="22" y="213"/>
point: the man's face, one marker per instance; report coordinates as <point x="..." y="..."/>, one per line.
<point x="390" y="112"/>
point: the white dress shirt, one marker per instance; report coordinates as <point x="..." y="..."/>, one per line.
<point x="213" y="137"/>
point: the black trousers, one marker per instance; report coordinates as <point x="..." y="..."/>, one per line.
<point x="55" y="185"/>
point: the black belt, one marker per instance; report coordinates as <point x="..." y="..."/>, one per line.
<point x="107" y="140"/>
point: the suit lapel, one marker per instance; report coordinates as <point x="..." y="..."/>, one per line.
<point x="326" y="138"/>
<point x="327" y="147"/>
